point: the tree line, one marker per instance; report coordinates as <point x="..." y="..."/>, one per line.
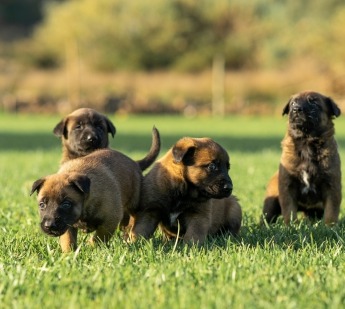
<point x="182" y="34"/>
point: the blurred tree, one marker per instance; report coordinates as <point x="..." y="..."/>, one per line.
<point x="137" y="34"/>
<point x="21" y="15"/>
<point x="20" y="12"/>
<point x="187" y="34"/>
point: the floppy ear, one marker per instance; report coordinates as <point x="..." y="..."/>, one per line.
<point x="110" y="126"/>
<point x="332" y="107"/>
<point x="37" y="185"/>
<point x="286" y="109"/>
<point x="61" y="128"/>
<point x="81" y="182"/>
<point x="183" y="151"/>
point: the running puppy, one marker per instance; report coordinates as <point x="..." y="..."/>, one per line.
<point x="96" y="192"/>
<point x="188" y="190"/>
<point x="309" y="176"/>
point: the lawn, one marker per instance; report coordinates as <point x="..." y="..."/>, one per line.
<point x="300" y="266"/>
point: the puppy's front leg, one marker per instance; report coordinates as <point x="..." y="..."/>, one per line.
<point x="68" y="240"/>
<point x="196" y="232"/>
<point x="332" y="209"/>
<point x="103" y="233"/>
<point x="198" y="225"/>
<point x="289" y="208"/>
<point x="287" y="193"/>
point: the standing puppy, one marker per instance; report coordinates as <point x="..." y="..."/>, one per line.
<point x="82" y="132"/>
<point x="188" y="190"/>
<point x="309" y="176"/>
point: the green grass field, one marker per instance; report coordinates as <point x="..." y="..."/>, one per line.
<point x="300" y="266"/>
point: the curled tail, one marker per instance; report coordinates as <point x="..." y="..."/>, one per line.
<point x="154" y="151"/>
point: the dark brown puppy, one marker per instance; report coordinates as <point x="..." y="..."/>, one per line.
<point x="309" y="176"/>
<point x="189" y="188"/>
<point x="85" y="130"/>
<point x="96" y="192"/>
<point x="82" y="132"/>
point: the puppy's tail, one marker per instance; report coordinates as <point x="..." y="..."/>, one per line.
<point x="154" y="151"/>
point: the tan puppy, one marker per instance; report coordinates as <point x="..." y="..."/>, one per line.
<point x="93" y="193"/>
<point x="189" y="189"/>
<point x="82" y="132"/>
<point x="309" y="176"/>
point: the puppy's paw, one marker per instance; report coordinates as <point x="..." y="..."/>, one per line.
<point x="129" y="237"/>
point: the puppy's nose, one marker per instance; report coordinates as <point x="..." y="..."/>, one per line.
<point x="228" y="187"/>
<point x="50" y="224"/>
<point x="91" y="138"/>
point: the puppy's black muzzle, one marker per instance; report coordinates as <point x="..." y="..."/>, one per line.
<point x="90" y="140"/>
<point x="53" y="226"/>
<point x="219" y="189"/>
<point x="297" y="114"/>
<point x="304" y="116"/>
<point x="227" y="188"/>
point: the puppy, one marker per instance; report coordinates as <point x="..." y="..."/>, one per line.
<point x="82" y="132"/>
<point x="85" y="130"/>
<point x="188" y="190"/>
<point x="309" y="175"/>
<point x="95" y="192"/>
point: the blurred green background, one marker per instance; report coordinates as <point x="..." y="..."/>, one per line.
<point x="158" y="56"/>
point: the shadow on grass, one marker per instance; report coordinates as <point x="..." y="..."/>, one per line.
<point x="294" y="237"/>
<point x="138" y="142"/>
<point x="131" y="142"/>
<point x="28" y="142"/>
<point x="305" y="237"/>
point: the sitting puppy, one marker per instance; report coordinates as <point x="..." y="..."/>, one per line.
<point x="82" y="132"/>
<point x="309" y="176"/>
<point x="189" y="188"/>
<point x="96" y="192"/>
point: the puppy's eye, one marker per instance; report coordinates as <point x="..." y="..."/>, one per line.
<point x="42" y="205"/>
<point x="66" y="205"/>
<point x="99" y="126"/>
<point x="212" y="167"/>
<point x="78" y="126"/>
<point x="312" y="100"/>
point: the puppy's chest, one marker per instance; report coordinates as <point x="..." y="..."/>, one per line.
<point x="311" y="169"/>
<point x="177" y="209"/>
<point x="173" y="217"/>
<point x="308" y="182"/>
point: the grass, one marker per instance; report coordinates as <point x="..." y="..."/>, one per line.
<point x="300" y="266"/>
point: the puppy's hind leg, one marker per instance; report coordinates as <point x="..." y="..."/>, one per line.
<point x="271" y="210"/>
<point x="145" y="224"/>
<point x="103" y="233"/>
